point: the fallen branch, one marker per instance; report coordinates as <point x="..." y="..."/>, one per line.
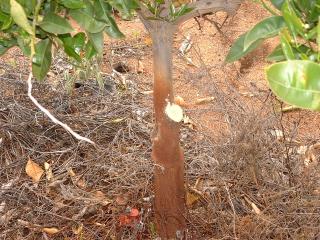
<point x="53" y="119"/>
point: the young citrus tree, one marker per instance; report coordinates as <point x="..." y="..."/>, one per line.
<point x="294" y="77"/>
<point x="36" y="26"/>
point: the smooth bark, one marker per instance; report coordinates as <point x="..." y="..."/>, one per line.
<point x="170" y="208"/>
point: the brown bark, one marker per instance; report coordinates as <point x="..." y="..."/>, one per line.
<point x="166" y="152"/>
<point x="167" y="155"/>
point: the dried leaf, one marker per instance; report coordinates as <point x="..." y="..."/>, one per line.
<point x="101" y="198"/>
<point x="277" y="133"/>
<point x="48" y="169"/>
<point x="122" y="200"/>
<point x="253" y="205"/>
<point x="205" y="100"/>
<point x="140" y="68"/>
<point x="189" y="122"/>
<point x="185" y="45"/>
<point x="34" y="171"/>
<point x="149" y="92"/>
<point x="2" y="206"/>
<point x="71" y="172"/>
<point x="129" y="219"/>
<point x="148" y="41"/>
<point x="8" y="185"/>
<point x="179" y="101"/>
<point x="192" y="198"/>
<point x="77" y="229"/>
<point x="51" y="230"/>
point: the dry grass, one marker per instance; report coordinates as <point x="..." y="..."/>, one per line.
<point x="248" y="183"/>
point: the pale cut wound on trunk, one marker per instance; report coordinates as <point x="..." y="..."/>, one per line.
<point x="174" y="112"/>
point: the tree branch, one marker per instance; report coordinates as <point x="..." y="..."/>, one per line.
<point x="202" y="7"/>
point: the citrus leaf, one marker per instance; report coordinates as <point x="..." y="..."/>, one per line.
<point x="53" y="23"/>
<point x="89" y="50"/>
<point x="85" y="18"/>
<point x="42" y="59"/>
<point x="294" y="23"/>
<point x="102" y="10"/>
<point x="72" y="4"/>
<point x="267" y="28"/>
<point x="296" y="82"/>
<point x="97" y="41"/>
<point x="19" y="16"/>
<point x="277" y="3"/>
<point x="237" y="50"/>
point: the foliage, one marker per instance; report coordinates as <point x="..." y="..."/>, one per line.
<point x="296" y="24"/>
<point x="38" y="26"/>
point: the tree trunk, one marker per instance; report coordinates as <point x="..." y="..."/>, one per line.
<point x="166" y="152"/>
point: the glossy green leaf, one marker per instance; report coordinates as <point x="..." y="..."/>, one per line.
<point x="53" y="23"/>
<point x="296" y="82"/>
<point x="19" y="16"/>
<point x="73" y="45"/>
<point x="85" y="18"/>
<point x="267" y="28"/>
<point x="42" y="58"/>
<point x="294" y="23"/>
<point x="79" y="41"/>
<point x="237" y="50"/>
<point x="103" y="14"/>
<point x="69" y="46"/>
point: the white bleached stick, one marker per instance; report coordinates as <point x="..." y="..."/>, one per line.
<point x="53" y="118"/>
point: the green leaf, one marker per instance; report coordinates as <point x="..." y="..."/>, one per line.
<point x="72" y="4"/>
<point x="318" y="38"/>
<point x="53" y="23"/>
<point x="237" y="50"/>
<point x="89" y="51"/>
<point x="294" y="23"/>
<point x="79" y="41"/>
<point x="5" y="6"/>
<point x="301" y="52"/>
<point x="73" y="45"/>
<point x="97" y="41"/>
<point x="6" y="21"/>
<point x="276" y="55"/>
<point x="103" y="14"/>
<point x="85" y="18"/>
<point x="296" y="82"/>
<point x="24" y="44"/>
<point x="41" y="61"/>
<point x="267" y="28"/>
<point x="125" y="7"/>
<point x="19" y="16"/>
<point x="6" y="44"/>
<point x="69" y="48"/>
<point x="285" y="44"/>
<point x="277" y="3"/>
